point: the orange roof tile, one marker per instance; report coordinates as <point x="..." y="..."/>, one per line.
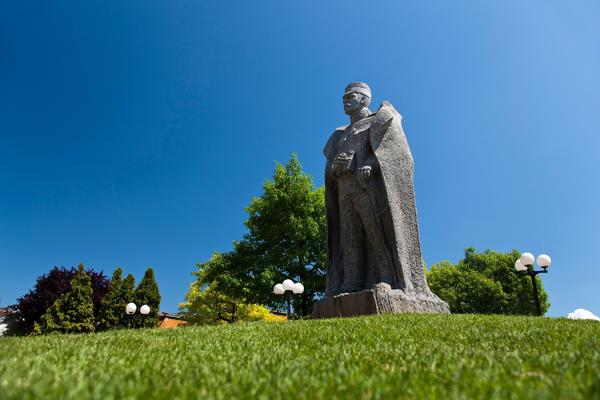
<point x="168" y="323"/>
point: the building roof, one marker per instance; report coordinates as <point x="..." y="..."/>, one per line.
<point x="169" y="315"/>
<point x="169" y="323"/>
<point x="4" y="311"/>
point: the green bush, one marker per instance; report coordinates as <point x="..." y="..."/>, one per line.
<point x="73" y="312"/>
<point x="486" y="283"/>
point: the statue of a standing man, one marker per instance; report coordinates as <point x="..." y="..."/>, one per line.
<point x="373" y="249"/>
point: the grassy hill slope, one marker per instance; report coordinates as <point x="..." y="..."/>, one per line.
<point x="390" y="356"/>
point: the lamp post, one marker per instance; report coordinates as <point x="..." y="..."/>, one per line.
<point x="131" y="308"/>
<point x="290" y="287"/>
<point x="524" y="265"/>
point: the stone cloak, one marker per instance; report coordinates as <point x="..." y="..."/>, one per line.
<point x="395" y="204"/>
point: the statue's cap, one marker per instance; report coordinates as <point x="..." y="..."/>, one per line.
<point x="358" y="87"/>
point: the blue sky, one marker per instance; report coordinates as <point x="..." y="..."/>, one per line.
<point x="134" y="133"/>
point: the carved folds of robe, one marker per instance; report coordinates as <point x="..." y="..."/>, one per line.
<point x="372" y="228"/>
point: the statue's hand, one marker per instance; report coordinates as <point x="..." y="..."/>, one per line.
<point x="342" y="162"/>
<point x="339" y="163"/>
<point x="364" y="175"/>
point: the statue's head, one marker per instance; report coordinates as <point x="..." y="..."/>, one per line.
<point x="357" y="96"/>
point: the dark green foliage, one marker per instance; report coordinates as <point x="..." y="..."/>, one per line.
<point x="73" y="312"/>
<point x="113" y="304"/>
<point x="147" y="293"/>
<point x="485" y="283"/>
<point x="410" y="356"/>
<point x="501" y="268"/>
<point x="48" y="288"/>
<point x="466" y="291"/>
<point x="285" y="239"/>
<point x="127" y="296"/>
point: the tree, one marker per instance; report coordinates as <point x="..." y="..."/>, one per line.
<point x="501" y="268"/>
<point x="236" y="275"/>
<point x="73" y="312"/>
<point x="127" y="296"/>
<point x="206" y="305"/>
<point x="485" y="283"/>
<point x="112" y="305"/>
<point x="48" y="288"/>
<point x="147" y="293"/>
<point x="285" y="239"/>
<point x="466" y="291"/>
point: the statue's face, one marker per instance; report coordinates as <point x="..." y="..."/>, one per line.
<point x="352" y="102"/>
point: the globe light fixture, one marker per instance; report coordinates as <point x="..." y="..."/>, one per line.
<point x="298" y="288"/>
<point x="544" y="260"/>
<point x="278" y="289"/>
<point x="524" y="265"/>
<point x="519" y="266"/>
<point x="290" y="287"/>
<point x="130" y="309"/>
<point x="288" y="284"/>
<point x="527" y="259"/>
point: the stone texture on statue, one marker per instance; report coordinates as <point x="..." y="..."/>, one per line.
<point x="381" y="299"/>
<point x="373" y="249"/>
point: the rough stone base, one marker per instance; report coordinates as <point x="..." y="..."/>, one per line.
<point x="379" y="300"/>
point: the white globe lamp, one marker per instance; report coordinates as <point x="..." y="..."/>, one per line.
<point x="544" y="260"/>
<point x="130" y="309"/>
<point x="298" y="288"/>
<point x="519" y="266"/>
<point x="525" y="266"/>
<point x="288" y="284"/>
<point x="278" y="289"/>
<point x="527" y="259"/>
<point x="145" y="309"/>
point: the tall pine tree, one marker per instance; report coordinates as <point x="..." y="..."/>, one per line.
<point x="113" y="304"/>
<point x="127" y="296"/>
<point x="147" y="293"/>
<point x="47" y="289"/>
<point x="73" y="312"/>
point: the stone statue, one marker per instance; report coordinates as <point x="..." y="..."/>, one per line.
<point x="373" y="249"/>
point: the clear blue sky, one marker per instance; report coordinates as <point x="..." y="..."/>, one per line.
<point x="134" y="133"/>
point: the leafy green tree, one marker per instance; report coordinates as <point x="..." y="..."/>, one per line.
<point x="208" y="306"/>
<point x="112" y="305"/>
<point x="147" y="293"/>
<point x="285" y="239"/>
<point x="73" y="312"/>
<point x="485" y="283"/>
<point x="236" y="275"/>
<point x="127" y="296"/>
<point x="466" y="291"/>
<point x="501" y="268"/>
<point x="205" y="305"/>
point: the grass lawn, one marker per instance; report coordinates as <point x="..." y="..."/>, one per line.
<point x="389" y="356"/>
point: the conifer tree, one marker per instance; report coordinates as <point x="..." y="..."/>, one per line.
<point x="73" y="312"/>
<point x="112" y="305"/>
<point x="147" y="293"/>
<point x="47" y="289"/>
<point x="127" y="296"/>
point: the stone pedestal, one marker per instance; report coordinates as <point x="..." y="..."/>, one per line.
<point x="379" y="300"/>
